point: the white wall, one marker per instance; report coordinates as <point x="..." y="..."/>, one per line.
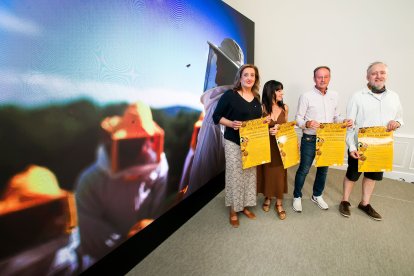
<point x="293" y="37"/>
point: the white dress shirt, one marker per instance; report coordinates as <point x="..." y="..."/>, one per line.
<point x="368" y="109"/>
<point x="313" y="105"/>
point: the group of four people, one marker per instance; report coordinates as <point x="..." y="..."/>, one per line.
<point x="375" y="105"/>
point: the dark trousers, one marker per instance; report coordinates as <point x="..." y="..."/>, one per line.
<point x="307" y="154"/>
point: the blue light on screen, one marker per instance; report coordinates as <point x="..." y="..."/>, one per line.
<point x="108" y="51"/>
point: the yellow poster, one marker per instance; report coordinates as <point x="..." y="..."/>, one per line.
<point x="287" y="142"/>
<point x="330" y="144"/>
<point x="254" y="143"/>
<point x="376" y="149"/>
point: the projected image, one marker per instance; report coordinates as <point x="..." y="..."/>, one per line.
<point x="105" y="111"/>
<point x="207" y="144"/>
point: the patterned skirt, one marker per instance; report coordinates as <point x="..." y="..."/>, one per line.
<point x="240" y="187"/>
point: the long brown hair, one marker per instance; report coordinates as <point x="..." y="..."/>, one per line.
<point x="255" y="88"/>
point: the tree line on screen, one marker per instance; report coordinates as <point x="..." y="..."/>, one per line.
<point x="63" y="138"/>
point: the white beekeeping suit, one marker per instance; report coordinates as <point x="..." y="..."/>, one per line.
<point x="208" y="156"/>
<point x="126" y="185"/>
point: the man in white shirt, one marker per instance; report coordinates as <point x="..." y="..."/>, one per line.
<point x="375" y="105"/>
<point x="316" y="106"/>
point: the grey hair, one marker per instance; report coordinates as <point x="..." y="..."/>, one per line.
<point x="376" y="63"/>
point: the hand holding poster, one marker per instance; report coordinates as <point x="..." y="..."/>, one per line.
<point x="330" y="144"/>
<point x="287" y="142"/>
<point x="375" y="148"/>
<point x="254" y="143"/>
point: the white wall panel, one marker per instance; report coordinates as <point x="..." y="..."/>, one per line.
<point x="294" y="37"/>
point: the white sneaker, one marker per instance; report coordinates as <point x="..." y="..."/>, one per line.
<point x="321" y="203"/>
<point x="297" y="204"/>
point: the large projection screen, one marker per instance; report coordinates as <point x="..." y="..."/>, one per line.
<point x="102" y="125"/>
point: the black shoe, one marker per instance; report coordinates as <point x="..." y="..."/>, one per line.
<point x="344" y="208"/>
<point x="370" y="211"/>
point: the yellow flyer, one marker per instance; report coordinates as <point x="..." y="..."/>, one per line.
<point x="330" y="144"/>
<point x="254" y="143"/>
<point x="376" y="149"/>
<point x="287" y="142"/>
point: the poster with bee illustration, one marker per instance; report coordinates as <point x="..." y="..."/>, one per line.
<point x="330" y="144"/>
<point x="375" y="149"/>
<point x="254" y="143"/>
<point x="287" y="142"/>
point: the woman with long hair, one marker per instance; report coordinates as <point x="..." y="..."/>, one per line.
<point x="272" y="177"/>
<point x="239" y="104"/>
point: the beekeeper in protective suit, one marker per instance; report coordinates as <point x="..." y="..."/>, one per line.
<point x="38" y="226"/>
<point x="125" y="189"/>
<point x="208" y="155"/>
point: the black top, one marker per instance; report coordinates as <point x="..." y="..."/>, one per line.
<point x="232" y="106"/>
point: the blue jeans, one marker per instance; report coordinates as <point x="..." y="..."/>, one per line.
<point x="307" y="154"/>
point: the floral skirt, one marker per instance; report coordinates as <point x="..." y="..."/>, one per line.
<point x="240" y="188"/>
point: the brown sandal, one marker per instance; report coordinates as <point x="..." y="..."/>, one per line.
<point x="280" y="214"/>
<point x="249" y="214"/>
<point x="266" y="204"/>
<point x="234" y="220"/>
